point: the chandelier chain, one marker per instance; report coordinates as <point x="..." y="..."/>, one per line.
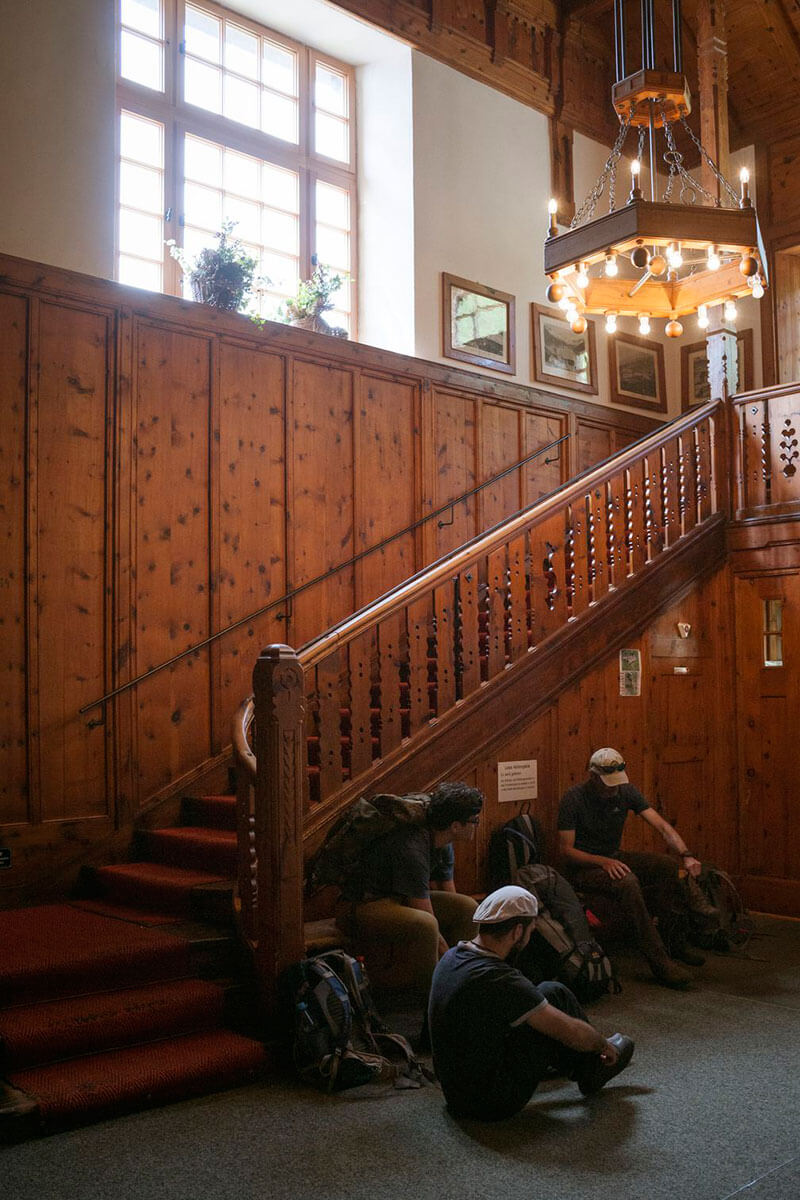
<point x="710" y="162"/>
<point x="690" y="187"/>
<point x="587" y="210"/>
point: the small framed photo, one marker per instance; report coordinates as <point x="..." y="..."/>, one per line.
<point x="636" y="367"/>
<point x="562" y="358"/>
<point x="695" y="388"/>
<point x="478" y="324"/>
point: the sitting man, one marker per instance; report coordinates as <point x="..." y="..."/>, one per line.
<point x="591" y="818"/>
<point x="410" y="911"/>
<point x="496" y="1035"/>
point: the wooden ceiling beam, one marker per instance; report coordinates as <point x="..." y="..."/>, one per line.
<point x="585" y="9"/>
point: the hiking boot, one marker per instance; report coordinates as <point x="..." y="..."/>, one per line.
<point x="598" y="1073"/>
<point x="668" y="974"/>
<point x="686" y="954"/>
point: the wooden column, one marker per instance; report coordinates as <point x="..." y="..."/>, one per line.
<point x="278" y="815"/>
<point x="723" y="355"/>
<point x="712" y="69"/>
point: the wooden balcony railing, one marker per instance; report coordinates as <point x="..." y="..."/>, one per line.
<point x="767" y="449"/>
<point x="353" y="700"/>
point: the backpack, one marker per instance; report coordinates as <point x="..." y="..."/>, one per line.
<point x="338" y="860"/>
<point x="718" y="918"/>
<point x="518" y="843"/>
<point x="338" y="1039"/>
<point x="561" y="946"/>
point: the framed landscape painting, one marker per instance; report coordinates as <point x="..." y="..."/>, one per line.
<point x="562" y="358"/>
<point x="478" y="324"/>
<point x="636" y="368"/>
<point x="695" y="387"/>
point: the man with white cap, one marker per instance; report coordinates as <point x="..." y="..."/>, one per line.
<point x="591" y="818"/>
<point x="495" y="1035"/>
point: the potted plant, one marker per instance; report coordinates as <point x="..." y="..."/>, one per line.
<point x="314" y="297"/>
<point x="221" y="275"/>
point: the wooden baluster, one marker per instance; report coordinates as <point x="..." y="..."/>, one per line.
<point x="387" y="691"/>
<point x="497" y="588"/>
<point x="468" y="633"/>
<point x="616" y="554"/>
<point x="766" y="451"/>
<point x="600" y="578"/>
<point x="548" y="576"/>
<point x="703" y="481"/>
<point x="518" y="600"/>
<point x="278" y="816"/>
<point x="670" y="506"/>
<point x="581" y="553"/>
<point x="784" y="420"/>
<point x="330" y="723"/>
<point x="444" y="697"/>
<point x="634" y="519"/>
<point x="689" y="467"/>
<point x="654" y="525"/>
<point x="312" y="756"/>
<point x="420" y="630"/>
<point x="361" y="654"/>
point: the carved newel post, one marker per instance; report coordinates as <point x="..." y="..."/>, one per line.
<point x="723" y="355"/>
<point x="278" y="814"/>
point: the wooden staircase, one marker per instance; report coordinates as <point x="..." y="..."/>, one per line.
<point x="416" y="685"/>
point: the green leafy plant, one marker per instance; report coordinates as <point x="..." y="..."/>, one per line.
<point x="314" y="297"/>
<point x="222" y="275"/>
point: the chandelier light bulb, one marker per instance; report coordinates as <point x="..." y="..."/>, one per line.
<point x="611" y="264"/>
<point x="583" y="275"/>
<point x="714" y="260"/>
<point x="744" y="179"/>
<point x="552" y="206"/>
<point x="758" y="287"/>
<point x="730" y="310"/>
<point x="744" y="175"/>
<point x="674" y="256"/>
<point x="644" y="324"/>
<point x="565" y="302"/>
<point x="702" y="316"/>
<point x="611" y="322"/>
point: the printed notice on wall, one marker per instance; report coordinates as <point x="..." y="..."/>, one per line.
<point x="630" y="673"/>
<point x="517" y="781"/>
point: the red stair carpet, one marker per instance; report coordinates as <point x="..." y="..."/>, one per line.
<point x="101" y="1009"/>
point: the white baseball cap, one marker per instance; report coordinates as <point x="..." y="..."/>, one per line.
<point x="505" y="903"/>
<point x="609" y="765"/>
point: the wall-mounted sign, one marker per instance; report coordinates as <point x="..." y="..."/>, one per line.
<point x="630" y="673"/>
<point x="517" y="781"/>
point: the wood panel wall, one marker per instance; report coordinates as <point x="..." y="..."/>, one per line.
<point x="675" y="737"/>
<point x="165" y="471"/>
<point x="722" y="771"/>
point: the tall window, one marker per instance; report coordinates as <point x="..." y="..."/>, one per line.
<point x="221" y="119"/>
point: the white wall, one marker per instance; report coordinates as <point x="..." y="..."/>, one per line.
<point x="57" y="132"/>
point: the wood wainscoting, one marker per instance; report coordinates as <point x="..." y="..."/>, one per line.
<point x="168" y="470"/>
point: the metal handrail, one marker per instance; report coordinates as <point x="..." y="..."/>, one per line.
<point x="303" y="587"/>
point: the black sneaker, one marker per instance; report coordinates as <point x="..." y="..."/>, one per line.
<point x="597" y="1073"/>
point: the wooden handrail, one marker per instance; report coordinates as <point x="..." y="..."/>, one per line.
<point x="393" y="600"/>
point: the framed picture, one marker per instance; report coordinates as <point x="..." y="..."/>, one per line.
<point x="636" y="367"/>
<point x="560" y="357"/>
<point x="695" y="387"/>
<point x="478" y="324"/>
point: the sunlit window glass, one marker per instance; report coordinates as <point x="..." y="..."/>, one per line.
<point x="141" y="208"/>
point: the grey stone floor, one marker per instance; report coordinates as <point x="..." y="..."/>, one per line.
<point x="708" y="1110"/>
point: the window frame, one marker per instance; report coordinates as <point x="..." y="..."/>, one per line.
<point x="178" y="118"/>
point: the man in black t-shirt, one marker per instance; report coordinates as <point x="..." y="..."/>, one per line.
<point x="496" y="1035"/>
<point x="410" y="911"/>
<point x="591" y="818"/>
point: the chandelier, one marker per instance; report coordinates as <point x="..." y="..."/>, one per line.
<point x="656" y="258"/>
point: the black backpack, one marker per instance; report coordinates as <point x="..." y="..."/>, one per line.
<point x="516" y="844"/>
<point x="561" y="946"/>
<point x="717" y="916"/>
<point x="338" y="1039"/>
